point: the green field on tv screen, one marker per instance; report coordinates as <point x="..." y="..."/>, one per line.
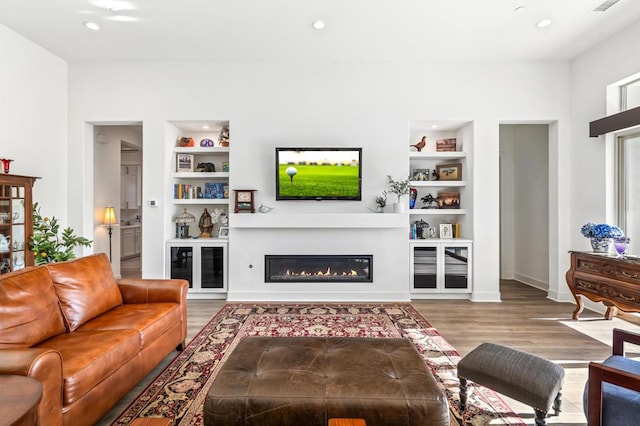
<point x="319" y="181"/>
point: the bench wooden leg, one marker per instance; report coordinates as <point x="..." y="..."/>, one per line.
<point x="541" y="417"/>
<point x="463" y="394"/>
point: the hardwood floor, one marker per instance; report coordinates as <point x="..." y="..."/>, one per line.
<point x="524" y="320"/>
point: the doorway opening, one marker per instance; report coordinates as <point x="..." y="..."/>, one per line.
<point x="524" y="204"/>
<point x="118" y="183"/>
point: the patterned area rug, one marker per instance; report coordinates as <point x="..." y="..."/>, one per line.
<point x="179" y="391"/>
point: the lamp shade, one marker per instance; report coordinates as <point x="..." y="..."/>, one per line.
<point x="110" y="216"/>
<point x="184" y="217"/>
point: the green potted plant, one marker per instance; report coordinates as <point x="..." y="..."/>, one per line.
<point x="400" y="188"/>
<point x="47" y="245"/>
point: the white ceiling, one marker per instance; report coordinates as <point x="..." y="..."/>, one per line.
<point x="280" y="30"/>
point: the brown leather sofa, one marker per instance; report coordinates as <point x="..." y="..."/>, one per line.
<point x="87" y="337"/>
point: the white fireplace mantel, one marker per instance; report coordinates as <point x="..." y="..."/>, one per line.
<point x="318" y="220"/>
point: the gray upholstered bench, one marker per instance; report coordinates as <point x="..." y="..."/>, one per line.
<point x="527" y="378"/>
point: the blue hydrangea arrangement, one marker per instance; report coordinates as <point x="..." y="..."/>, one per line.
<point x="601" y="230"/>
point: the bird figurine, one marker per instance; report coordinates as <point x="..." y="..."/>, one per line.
<point x="421" y="144"/>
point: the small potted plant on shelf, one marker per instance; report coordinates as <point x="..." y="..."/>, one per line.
<point x="601" y="235"/>
<point x="400" y="188"/>
<point x="381" y="202"/>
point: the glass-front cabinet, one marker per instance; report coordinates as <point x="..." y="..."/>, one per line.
<point x="202" y="262"/>
<point x="441" y="266"/>
<point x="16" y="222"/>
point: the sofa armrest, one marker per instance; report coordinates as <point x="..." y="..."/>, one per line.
<point x="620" y="337"/>
<point x="599" y="373"/>
<point x="44" y="365"/>
<point x="138" y="290"/>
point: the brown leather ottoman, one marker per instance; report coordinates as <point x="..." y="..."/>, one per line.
<point x="269" y="381"/>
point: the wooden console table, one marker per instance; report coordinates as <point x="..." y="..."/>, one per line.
<point x="607" y="279"/>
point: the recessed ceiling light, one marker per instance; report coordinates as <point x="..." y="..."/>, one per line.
<point x="434" y="126"/>
<point x="205" y="126"/>
<point x="543" y="23"/>
<point x="91" y="25"/>
<point x="318" y="25"/>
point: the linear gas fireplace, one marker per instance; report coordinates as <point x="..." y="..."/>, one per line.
<point x="318" y="268"/>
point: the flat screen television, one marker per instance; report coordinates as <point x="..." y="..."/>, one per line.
<point x="319" y="174"/>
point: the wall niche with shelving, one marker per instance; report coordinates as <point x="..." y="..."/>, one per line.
<point x="199" y="170"/>
<point x="452" y="191"/>
<point x="199" y="179"/>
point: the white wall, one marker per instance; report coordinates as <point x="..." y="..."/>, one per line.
<point x="348" y="104"/>
<point x="33" y="119"/>
<point x="524" y="207"/>
<point x="591" y="199"/>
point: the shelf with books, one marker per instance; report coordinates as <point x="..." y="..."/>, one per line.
<point x="440" y="172"/>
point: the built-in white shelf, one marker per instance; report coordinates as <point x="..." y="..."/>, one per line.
<point x="450" y="155"/>
<point x="438" y="183"/>
<point x="200" y="150"/>
<point x="201" y="175"/>
<point x="318" y="220"/>
<point x="202" y="201"/>
<point x="416" y="212"/>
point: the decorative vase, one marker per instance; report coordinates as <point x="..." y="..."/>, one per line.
<point x="600" y="245"/>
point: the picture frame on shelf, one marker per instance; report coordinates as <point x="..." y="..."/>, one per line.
<point x="446" y="145"/>
<point x="446" y="231"/>
<point x="184" y="163"/>
<point x="225" y="166"/>
<point x="448" y="200"/>
<point x="449" y="171"/>
<point x="223" y="232"/>
<point x="420" y="174"/>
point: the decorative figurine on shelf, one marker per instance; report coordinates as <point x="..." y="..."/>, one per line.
<point x="435" y="175"/>
<point x="429" y="200"/>
<point x="205" y="224"/>
<point x="186" y="142"/>
<point x="421" y="229"/>
<point x="5" y="163"/>
<point x="206" y="167"/>
<point x="413" y="194"/>
<point x="421" y="144"/>
<point x="223" y="139"/>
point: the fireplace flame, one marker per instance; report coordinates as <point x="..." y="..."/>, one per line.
<point x="326" y="273"/>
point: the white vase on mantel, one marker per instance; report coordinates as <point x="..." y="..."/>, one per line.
<point x="400" y="206"/>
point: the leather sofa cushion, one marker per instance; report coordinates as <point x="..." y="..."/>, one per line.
<point x="86" y="288"/>
<point x="29" y="311"/>
<point x="90" y="357"/>
<point x="150" y="320"/>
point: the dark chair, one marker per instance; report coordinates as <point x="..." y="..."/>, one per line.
<point x="612" y="393"/>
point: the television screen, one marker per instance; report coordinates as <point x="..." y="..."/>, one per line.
<point x="318" y="173"/>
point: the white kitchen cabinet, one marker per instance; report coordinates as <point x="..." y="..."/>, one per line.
<point x="130" y="242"/>
<point x="440" y="266"/>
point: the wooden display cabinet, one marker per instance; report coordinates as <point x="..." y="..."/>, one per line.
<point x="16" y="222"/>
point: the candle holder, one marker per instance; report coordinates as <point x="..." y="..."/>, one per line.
<point x="5" y="164"/>
<point x="621" y="245"/>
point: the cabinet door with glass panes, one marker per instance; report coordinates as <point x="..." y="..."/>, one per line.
<point x="16" y="222"/>
<point x="202" y="263"/>
<point x="441" y="266"/>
